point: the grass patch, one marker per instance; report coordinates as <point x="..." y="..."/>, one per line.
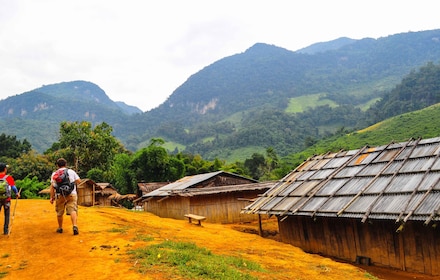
<point x="120" y="230"/>
<point x="302" y="103"/>
<point x="3" y="274"/>
<point x="369" y="276"/>
<point x="242" y="154"/>
<point x="171" y="146"/>
<point x="142" y="237"/>
<point x="190" y="261"/>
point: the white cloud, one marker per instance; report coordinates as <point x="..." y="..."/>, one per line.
<point x="139" y="51"/>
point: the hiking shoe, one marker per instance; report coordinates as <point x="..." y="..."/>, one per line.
<point x="59" y="230"/>
<point x="75" y="230"/>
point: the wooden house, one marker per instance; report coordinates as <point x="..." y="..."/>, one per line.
<point x="86" y="191"/>
<point x="91" y="193"/>
<point x="103" y="192"/>
<point x="377" y="206"/>
<point x="218" y="196"/>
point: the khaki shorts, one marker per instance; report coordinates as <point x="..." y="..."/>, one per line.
<point x="68" y="203"/>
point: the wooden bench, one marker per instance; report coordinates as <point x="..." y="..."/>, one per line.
<point x="198" y="218"/>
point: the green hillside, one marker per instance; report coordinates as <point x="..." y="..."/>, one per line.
<point x="265" y="97"/>
<point x="418" y="124"/>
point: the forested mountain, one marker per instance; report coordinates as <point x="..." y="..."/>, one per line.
<point x="264" y="97"/>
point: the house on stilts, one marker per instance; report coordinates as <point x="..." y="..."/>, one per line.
<point x="377" y="206"/>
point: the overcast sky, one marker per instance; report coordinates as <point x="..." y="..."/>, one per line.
<point x="140" y="51"/>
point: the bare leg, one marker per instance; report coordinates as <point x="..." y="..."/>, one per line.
<point x="74" y="217"/>
<point x="60" y="221"/>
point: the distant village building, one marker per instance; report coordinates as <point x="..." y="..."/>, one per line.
<point x="97" y="194"/>
<point x="219" y="196"/>
<point x="144" y="188"/>
<point x="86" y="192"/>
<point x="103" y="191"/>
<point x="377" y="206"/>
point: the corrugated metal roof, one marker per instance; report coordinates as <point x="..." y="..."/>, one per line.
<point x="398" y="181"/>
<point x="225" y="189"/>
<point x="187" y="182"/>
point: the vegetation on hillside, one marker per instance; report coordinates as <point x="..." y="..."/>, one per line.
<point x="413" y="125"/>
<point x="218" y="111"/>
<point x="276" y="136"/>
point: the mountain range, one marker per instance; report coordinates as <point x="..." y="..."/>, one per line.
<point x="266" y="96"/>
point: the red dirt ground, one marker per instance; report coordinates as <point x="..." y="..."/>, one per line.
<point x="35" y="251"/>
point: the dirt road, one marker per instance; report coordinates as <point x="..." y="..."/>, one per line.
<point x="35" y="251"/>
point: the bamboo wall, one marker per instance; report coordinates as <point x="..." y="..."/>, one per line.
<point x="172" y="207"/>
<point x="415" y="249"/>
<point x="85" y="195"/>
<point x="217" y="208"/>
<point x="223" y="208"/>
<point x="103" y="200"/>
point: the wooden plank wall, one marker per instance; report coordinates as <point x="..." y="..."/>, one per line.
<point x="415" y="249"/>
<point x="223" y="207"/>
<point x="173" y="207"/>
<point x="217" y="208"/>
<point x="85" y="196"/>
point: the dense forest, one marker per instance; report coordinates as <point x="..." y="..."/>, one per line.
<point x="291" y="133"/>
<point x="265" y="97"/>
<point x="411" y="109"/>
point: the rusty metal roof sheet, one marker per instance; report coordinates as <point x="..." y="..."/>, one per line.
<point x="398" y="181"/>
<point x="188" y="182"/>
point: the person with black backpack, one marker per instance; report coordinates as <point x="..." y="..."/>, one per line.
<point x="63" y="190"/>
<point x="7" y="186"/>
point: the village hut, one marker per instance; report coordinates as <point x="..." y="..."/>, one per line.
<point x="375" y="206"/>
<point x="103" y="192"/>
<point x="218" y="196"/>
<point x="91" y="193"/>
<point x="144" y="188"/>
<point x="86" y="191"/>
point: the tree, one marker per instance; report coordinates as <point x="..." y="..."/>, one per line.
<point x="31" y="165"/>
<point x="123" y="175"/>
<point x="154" y="164"/>
<point x="271" y="164"/>
<point x="30" y="187"/>
<point x="255" y="165"/>
<point x="86" y="148"/>
<point x="10" y="147"/>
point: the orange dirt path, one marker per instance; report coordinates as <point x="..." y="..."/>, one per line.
<point x="35" y="251"/>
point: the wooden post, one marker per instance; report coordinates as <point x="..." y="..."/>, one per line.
<point x="260" y="227"/>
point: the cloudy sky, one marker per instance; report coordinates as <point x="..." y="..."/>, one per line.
<point x="140" y="51"/>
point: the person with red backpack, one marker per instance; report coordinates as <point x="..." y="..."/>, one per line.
<point x="7" y="186"/>
<point x="63" y="191"/>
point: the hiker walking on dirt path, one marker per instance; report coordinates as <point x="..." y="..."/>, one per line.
<point x="66" y="200"/>
<point x="7" y="186"/>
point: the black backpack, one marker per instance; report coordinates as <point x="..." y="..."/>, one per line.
<point x="62" y="182"/>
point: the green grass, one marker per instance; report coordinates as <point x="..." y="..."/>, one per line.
<point x="302" y="103"/>
<point x="189" y="261"/>
<point x="171" y="146"/>
<point x="119" y="230"/>
<point x="422" y="123"/>
<point x="242" y="154"/>
<point x="143" y="237"/>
